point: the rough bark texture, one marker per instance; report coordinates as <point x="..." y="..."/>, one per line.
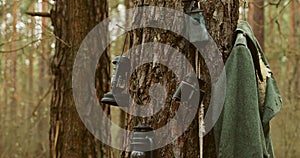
<point x="148" y="75"/>
<point x="256" y="19"/>
<point x="221" y="20"/>
<point x="72" y="21"/>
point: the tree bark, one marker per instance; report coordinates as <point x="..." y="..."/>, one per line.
<point x="221" y="20"/>
<point x="72" y="20"/>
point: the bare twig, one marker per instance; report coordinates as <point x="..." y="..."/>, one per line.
<point x="275" y="3"/>
<point x="281" y="11"/>
<point x="14" y="40"/>
<point x="122" y="27"/>
<point x="51" y="34"/>
<point x="265" y="5"/>
<point x="21" y="48"/>
<point x="278" y="26"/>
<point x="40" y="101"/>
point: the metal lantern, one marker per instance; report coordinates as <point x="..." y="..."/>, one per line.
<point x="122" y="72"/>
<point x="118" y="83"/>
<point x="141" y="142"/>
<point x="190" y="91"/>
<point x="109" y="98"/>
<point x="196" y="35"/>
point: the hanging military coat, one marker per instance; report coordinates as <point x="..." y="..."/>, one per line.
<point x="242" y="129"/>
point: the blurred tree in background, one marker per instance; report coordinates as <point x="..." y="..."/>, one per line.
<point x="282" y="49"/>
<point x="27" y="47"/>
<point x="25" y="51"/>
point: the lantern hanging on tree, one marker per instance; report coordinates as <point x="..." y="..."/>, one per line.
<point x="197" y="29"/>
<point x="119" y="95"/>
<point x="187" y="91"/>
<point x="142" y="142"/>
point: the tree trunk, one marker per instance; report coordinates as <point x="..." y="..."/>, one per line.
<point x="6" y="68"/>
<point x="292" y="26"/>
<point x="256" y="19"/>
<point x="14" y="99"/>
<point x="6" y="79"/>
<point x="221" y="20"/>
<point x="72" y="21"/>
<point x="44" y="51"/>
<point x="31" y="64"/>
<point x="43" y="87"/>
<point x="271" y="23"/>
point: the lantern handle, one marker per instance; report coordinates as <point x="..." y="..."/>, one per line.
<point x="126" y="36"/>
<point x="245" y="6"/>
<point x="151" y="145"/>
<point x="199" y="5"/>
<point x="189" y="10"/>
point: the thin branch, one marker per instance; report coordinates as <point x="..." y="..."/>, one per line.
<point x="51" y="34"/>
<point x="279" y="28"/>
<point x="41" y="14"/>
<point x="281" y="11"/>
<point x="258" y="6"/>
<point x="265" y="5"/>
<point x="21" y="48"/>
<point x="275" y="3"/>
<point x="17" y="40"/>
<point x="40" y="101"/>
<point x="56" y="37"/>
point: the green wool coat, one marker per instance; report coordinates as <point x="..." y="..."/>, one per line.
<point x="242" y="130"/>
